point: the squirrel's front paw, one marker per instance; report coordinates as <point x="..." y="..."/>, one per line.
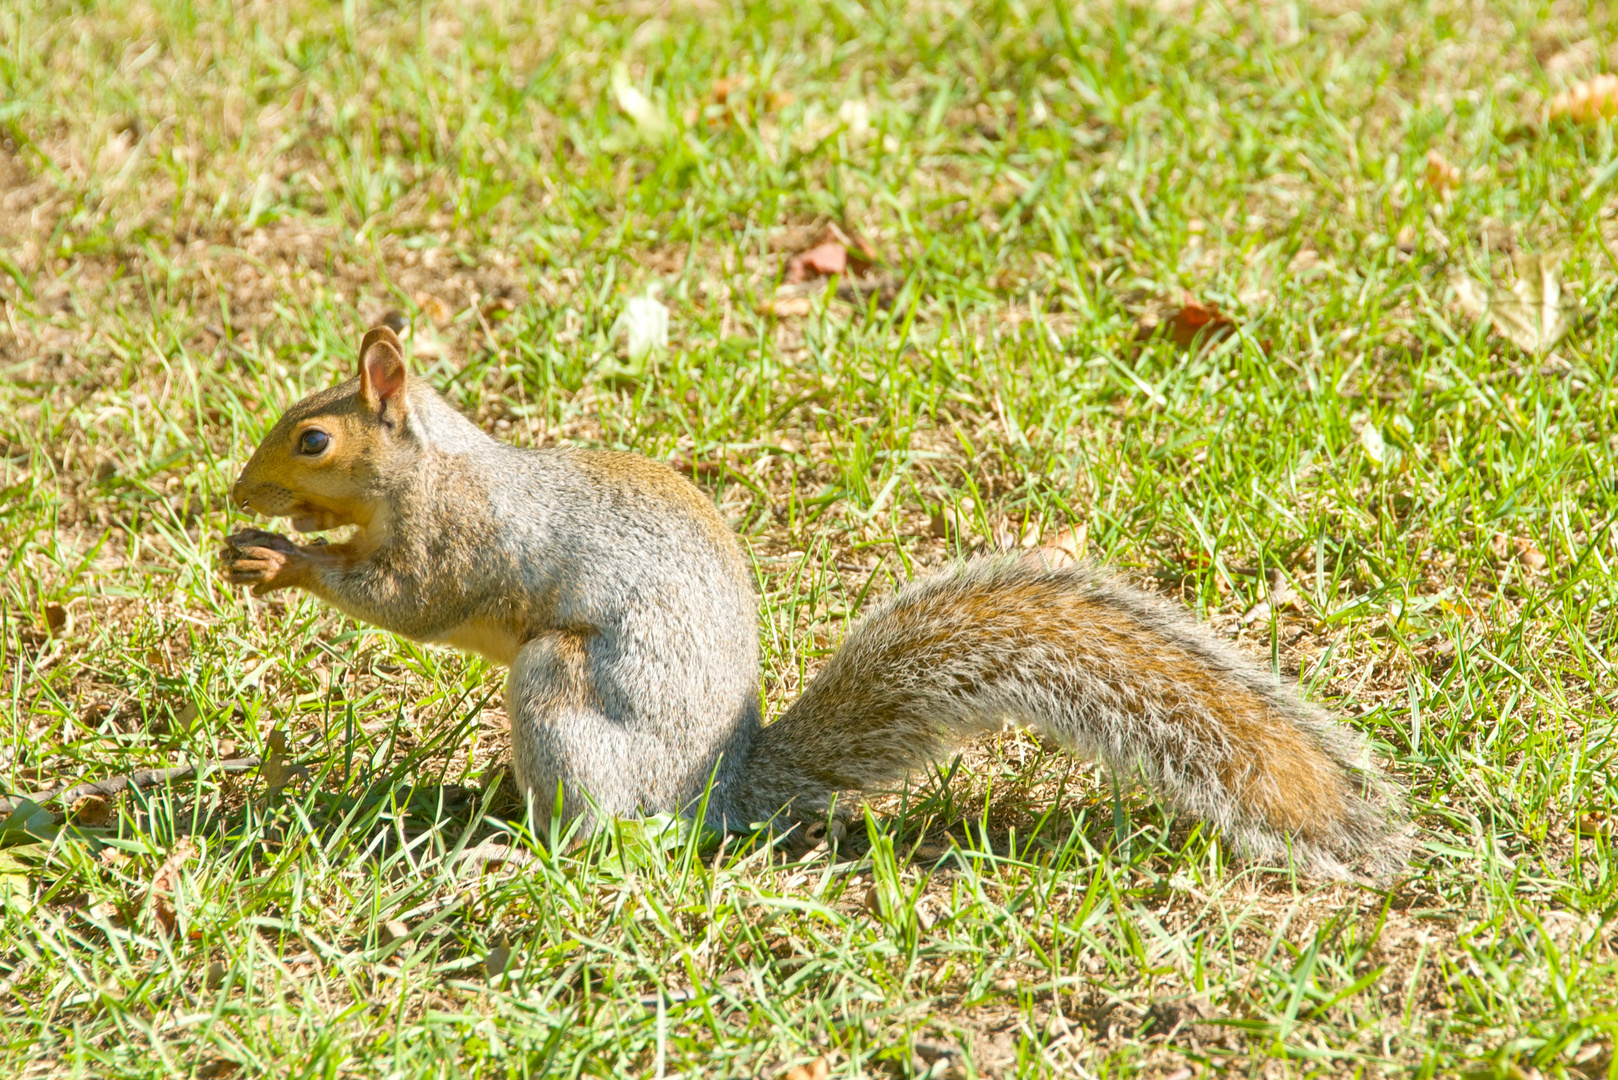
<point x="267" y="561"/>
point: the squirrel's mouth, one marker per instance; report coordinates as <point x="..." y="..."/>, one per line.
<point x="311" y="519"/>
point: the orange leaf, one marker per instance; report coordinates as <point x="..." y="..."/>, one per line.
<point x="1586" y="102"/>
<point x="1194" y="320"/>
<point x="822" y="260"/>
<point x="1441" y="175"/>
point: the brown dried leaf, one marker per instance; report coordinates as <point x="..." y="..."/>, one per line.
<point x="1586" y="102"/>
<point x="825" y="259"/>
<point x="1067" y="546"/>
<point x="817" y="1069"/>
<point x="92" y="812"/>
<point x="1529" y="555"/>
<point x="1596" y="823"/>
<point x="873" y="900"/>
<point x="723" y="88"/>
<point x="1188" y="322"/>
<point x="167" y="880"/>
<point x="785" y="306"/>
<point x="1442" y="177"/>
<point x="57" y="620"/>
<point x="434" y="308"/>
<point x="276" y="769"/>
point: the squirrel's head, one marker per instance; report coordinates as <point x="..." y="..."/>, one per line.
<point x="327" y="461"/>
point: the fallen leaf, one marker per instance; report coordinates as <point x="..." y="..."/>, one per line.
<point x="817" y="1069"/>
<point x="873" y="900"/>
<point x="1533" y="314"/>
<point x="788" y="305"/>
<point x="1067" y="546"/>
<point x="167" y="880"/>
<point x="1187" y="322"/>
<point x="495" y="962"/>
<point x="1535" y="317"/>
<point x="940" y="1059"/>
<point x="825" y="259"/>
<point x="1280" y="595"/>
<point x="645" y="322"/>
<point x="1528" y="554"/>
<point x="56" y="619"/>
<point x="1442" y="177"/>
<point x="434" y="308"/>
<point x="840" y="251"/>
<point x="276" y="768"/>
<point x="1586" y="102"/>
<point x="636" y="105"/>
<point x="856" y="117"/>
<point x="1371" y="442"/>
<point x="91" y="812"/>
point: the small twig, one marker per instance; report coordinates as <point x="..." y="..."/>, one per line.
<point x="113" y="785"/>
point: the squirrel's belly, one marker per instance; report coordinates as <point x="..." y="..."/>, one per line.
<point x="492" y="640"/>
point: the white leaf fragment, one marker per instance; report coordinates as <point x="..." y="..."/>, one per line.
<point x="636" y="105"/>
<point x="646" y="325"/>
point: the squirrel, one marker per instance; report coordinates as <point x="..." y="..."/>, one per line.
<point x="623" y="607"/>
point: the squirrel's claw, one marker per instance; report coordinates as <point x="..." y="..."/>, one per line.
<point x="264" y="560"/>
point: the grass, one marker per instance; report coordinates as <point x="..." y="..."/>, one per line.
<point x="203" y="206"/>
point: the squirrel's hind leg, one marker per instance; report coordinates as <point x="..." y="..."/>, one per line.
<point x="561" y="740"/>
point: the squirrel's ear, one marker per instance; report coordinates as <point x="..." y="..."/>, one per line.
<point x="382" y="372"/>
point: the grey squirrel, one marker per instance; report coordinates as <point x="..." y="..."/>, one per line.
<point x="624" y="609"/>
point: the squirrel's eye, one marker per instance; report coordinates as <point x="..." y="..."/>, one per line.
<point x="313" y="442"/>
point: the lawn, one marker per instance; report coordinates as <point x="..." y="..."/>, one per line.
<point x="1180" y="288"/>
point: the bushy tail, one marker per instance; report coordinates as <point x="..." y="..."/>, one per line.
<point x="1100" y="667"/>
